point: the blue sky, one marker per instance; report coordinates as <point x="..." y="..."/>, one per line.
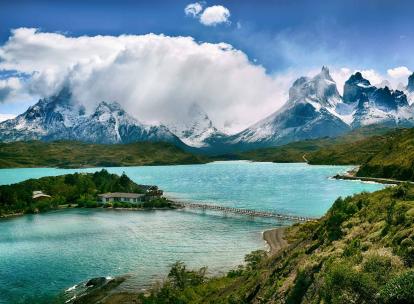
<point x="280" y="35"/>
<point x="377" y="34"/>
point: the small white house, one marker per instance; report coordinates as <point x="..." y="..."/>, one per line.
<point x="38" y="195"/>
<point x="121" y="197"/>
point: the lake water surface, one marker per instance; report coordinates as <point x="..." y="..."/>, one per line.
<point x="42" y="254"/>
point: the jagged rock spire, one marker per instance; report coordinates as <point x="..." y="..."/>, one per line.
<point x="410" y="86"/>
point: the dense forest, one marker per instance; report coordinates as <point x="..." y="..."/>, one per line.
<point x="361" y="251"/>
<point x="72" y="189"/>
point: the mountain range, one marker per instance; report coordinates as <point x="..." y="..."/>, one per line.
<point x="314" y="109"/>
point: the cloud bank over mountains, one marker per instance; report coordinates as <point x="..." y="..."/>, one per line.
<point x="156" y="78"/>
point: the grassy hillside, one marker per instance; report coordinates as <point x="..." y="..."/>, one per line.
<point x="347" y="152"/>
<point x="387" y="154"/>
<point x="361" y="251"/>
<point x="394" y="160"/>
<point x="324" y="150"/>
<point x="68" y="154"/>
<point x="289" y="153"/>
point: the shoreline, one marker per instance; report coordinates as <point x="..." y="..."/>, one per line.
<point x="274" y="238"/>
<point x="64" y="207"/>
<point x="351" y="175"/>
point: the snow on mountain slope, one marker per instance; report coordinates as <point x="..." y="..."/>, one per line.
<point x="57" y="118"/>
<point x="310" y="112"/>
<point x="45" y="119"/>
<point x="197" y="130"/>
<point x="373" y="105"/>
<point x="315" y="109"/>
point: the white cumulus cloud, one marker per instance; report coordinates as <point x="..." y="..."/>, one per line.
<point x="154" y="77"/>
<point x="210" y="16"/>
<point x="399" y="72"/>
<point x="193" y="9"/>
<point x="214" y="15"/>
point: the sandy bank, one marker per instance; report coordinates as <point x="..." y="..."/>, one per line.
<point x="274" y="238"/>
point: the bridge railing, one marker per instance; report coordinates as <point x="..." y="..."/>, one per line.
<point x="250" y="212"/>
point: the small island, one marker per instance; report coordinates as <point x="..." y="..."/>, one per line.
<point x="82" y="190"/>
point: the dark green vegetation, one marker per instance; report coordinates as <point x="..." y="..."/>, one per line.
<point x="361" y="251"/>
<point x="68" y="190"/>
<point x="389" y="154"/>
<point x="68" y="154"/>
<point x="395" y="160"/>
<point x="332" y="151"/>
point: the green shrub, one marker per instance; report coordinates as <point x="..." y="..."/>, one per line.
<point x="401" y="191"/>
<point x="303" y="280"/>
<point x="157" y="203"/>
<point x="379" y="267"/>
<point x="254" y="258"/>
<point x="353" y="249"/>
<point x="343" y="284"/>
<point x="181" y="278"/>
<point x="399" y="289"/>
<point x="236" y="272"/>
<point x="87" y="201"/>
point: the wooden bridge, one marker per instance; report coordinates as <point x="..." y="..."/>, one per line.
<point x="248" y="212"/>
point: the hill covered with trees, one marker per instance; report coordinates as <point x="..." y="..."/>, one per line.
<point x="72" y="189"/>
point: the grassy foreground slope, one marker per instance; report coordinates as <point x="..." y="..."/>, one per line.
<point x="361" y="251"/>
<point x="69" y="154"/>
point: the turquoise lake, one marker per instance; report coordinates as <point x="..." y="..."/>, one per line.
<point x="43" y="254"/>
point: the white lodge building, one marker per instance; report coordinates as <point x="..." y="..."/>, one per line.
<point x="121" y="197"/>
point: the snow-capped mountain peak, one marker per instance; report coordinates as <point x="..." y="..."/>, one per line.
<point x="373" y="104"/>
<point x="319" y="91"/>
<point x="310" y="112"/>
<point x="196" y="129"/>
<point x="314" y="109"/>
<point x="57" y="117"/>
